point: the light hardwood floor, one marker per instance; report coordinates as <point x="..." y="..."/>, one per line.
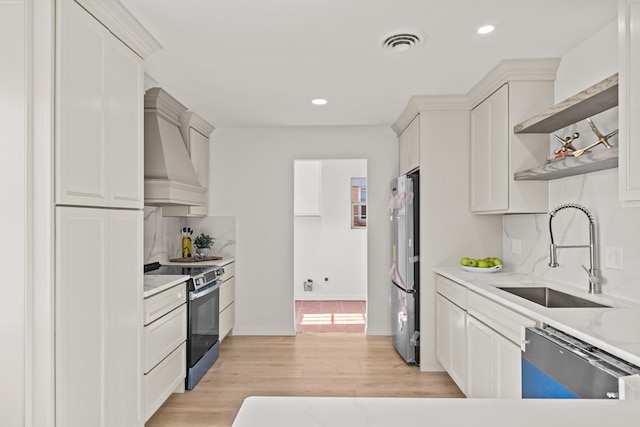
<point x="325" y="364"/>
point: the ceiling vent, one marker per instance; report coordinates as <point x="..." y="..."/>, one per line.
<point x="402" y="41"/>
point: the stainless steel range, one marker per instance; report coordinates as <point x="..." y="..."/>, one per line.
<point x="203" y="305"/>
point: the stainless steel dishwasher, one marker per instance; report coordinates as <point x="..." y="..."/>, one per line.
<point x="557" y="365"/>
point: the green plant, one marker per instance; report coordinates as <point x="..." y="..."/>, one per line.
<point x="203" y="241"/>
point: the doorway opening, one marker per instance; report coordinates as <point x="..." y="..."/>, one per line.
<point x="330" y="245"/>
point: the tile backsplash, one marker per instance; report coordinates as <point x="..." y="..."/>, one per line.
<point x="162" y="238"/>
<point x="616" y="226"/>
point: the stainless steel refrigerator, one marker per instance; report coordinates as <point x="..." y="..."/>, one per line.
<point x="405" y="266"/>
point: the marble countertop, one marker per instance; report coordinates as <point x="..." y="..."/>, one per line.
<point x="220" y="262"/>
<point x="384" y="412"/>
<point x="613" y="329"/>
<point x="154" y="284"/>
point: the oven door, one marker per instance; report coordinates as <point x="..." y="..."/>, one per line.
<point x="204" y="322"/>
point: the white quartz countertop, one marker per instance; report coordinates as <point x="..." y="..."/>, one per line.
<point x="154" y="284"/>
<point x="385" y="412"/>
<point x="219" y="262"/>
<point x="614" y="329"/>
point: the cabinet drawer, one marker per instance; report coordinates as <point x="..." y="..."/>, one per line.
<point x="163" y="302"/>
<point x="454" y="292"/>
<point x="227" y="317"/>
<point x="229" y="271"/>
<point x="163" y="336"/>
<point x="227" y="293"/>
<point x="501" y="319"/>
<point x="164" y="379"/>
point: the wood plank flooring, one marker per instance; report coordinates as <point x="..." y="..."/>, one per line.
<point x="326" y="364"/>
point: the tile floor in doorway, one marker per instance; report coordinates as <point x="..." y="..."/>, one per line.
<point x="331" y="316"/>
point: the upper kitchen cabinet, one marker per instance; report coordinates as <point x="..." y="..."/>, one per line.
<point x="409" y="147"/>
<point x="510" y="93"/>
<point x="99" y="90"/>
<point x="195" y="132"/>
<point x="629" y="100"/>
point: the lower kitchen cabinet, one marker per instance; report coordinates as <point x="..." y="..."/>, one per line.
<point x="451" y="339"/>
<point x="98" y="323"/>
<point x="165" y="351"/>
<point x="227" y="300"/>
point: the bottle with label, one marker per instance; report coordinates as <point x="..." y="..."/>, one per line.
<point x="187" y="245"/>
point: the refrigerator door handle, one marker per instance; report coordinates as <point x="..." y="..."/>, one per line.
<point x="414" y="259"/>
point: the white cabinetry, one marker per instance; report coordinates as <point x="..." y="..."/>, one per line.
<point x="98" y="317"/>
<point x="99" y="113"/>
<point x="409" y="147"/>
<point x="451" y="334"/>
<point x="629" y="101"/>
<point x="509" y="94"/>
<point x="493" y="349"/>
<point x="165" y="335"/>
<point x="227" y="300"/>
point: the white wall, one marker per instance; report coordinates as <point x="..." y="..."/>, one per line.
<point x="252" y="179"/>
<point x="617" y="226"/>
<point x="325" y="245"/>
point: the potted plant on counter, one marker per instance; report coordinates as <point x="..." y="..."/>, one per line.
<point x="203" y="243"/>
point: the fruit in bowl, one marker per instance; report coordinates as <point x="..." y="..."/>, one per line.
<point x="473" y="264"/>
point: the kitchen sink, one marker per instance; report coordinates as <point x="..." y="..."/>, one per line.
<point x="551" y="298"/>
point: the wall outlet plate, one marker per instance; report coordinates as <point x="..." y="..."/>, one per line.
<point x="613" y="257"/>
<point x="516" y="246"/>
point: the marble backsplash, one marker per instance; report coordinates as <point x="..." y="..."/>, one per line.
<point x="616" y="226"/>
<point x="163" y="240"/>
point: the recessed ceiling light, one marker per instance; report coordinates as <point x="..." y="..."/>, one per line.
<point x="319" y="101"/>
<point x="486" y="29"/>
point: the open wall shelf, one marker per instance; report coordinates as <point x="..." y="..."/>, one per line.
<point x="569" y="166"/>
<point x="591" y="101"/>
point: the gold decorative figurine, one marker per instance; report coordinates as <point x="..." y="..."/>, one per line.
<point x="602" y="139"/>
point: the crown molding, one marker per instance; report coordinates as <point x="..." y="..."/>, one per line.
<point x="189" y="119"/>
<point x="507" y="70"/>
<point x="420" y="103"/>
<point x="122" y="24"/>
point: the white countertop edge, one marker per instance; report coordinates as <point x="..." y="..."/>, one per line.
<point x="565" y="319"/>
<point x="218" y="262"/>
<point x="156" y="283"/>
<point x="267" y="411"/>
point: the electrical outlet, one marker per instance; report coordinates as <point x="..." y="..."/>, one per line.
<point x="613" y="257"/>
<point x="516" y="246"/>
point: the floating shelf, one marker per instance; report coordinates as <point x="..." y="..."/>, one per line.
<point x="569" y="166"/>
<point x="593" y="100"/>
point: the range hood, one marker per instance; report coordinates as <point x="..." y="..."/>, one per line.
<point x="169" y="176"/>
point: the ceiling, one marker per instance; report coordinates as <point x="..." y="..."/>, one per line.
<point x="258" y="63"/>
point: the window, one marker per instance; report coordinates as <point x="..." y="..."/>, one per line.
<point x="358" y="202"/>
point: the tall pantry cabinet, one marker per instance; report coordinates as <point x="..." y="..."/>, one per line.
<point x="99" y="214"/>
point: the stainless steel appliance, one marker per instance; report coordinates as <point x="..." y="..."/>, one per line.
<point x="557" y="365"/>
<point x="405" y="266"/>
<point x="203" y="312"/>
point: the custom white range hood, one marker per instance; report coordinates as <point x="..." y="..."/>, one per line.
<point x="170" y="178"/>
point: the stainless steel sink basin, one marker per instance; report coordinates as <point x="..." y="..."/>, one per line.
<point x="551" y="298"/>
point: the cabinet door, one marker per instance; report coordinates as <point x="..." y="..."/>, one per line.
<point x="409" y="147"/>
<point x="98" y="317"/>
<point x="480" y="360"/>
<point x="81" y="176"/>
<point x="125" y="126"/>
<point x="629" y="90"/>
<point x="490" y="153"/>
<point x="451" y="339"/>
<point x="443" y="332"/>
<point x="123" y="311"/>
<point x="508" y="368"/>
<point x="81" y="283"/>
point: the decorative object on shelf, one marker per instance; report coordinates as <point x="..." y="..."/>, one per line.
<point x="567" y="148"/>
<point x="602" y="139"/>
<point x="187" y="247"/>
<point x="203" y="243"/>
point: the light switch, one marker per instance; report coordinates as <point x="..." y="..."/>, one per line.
<point x="613" y="257"/>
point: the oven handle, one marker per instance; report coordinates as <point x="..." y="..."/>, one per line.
<point x="196" y="295"/>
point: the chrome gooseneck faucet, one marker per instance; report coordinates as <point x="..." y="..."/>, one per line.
<point x="593" y="271"/>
